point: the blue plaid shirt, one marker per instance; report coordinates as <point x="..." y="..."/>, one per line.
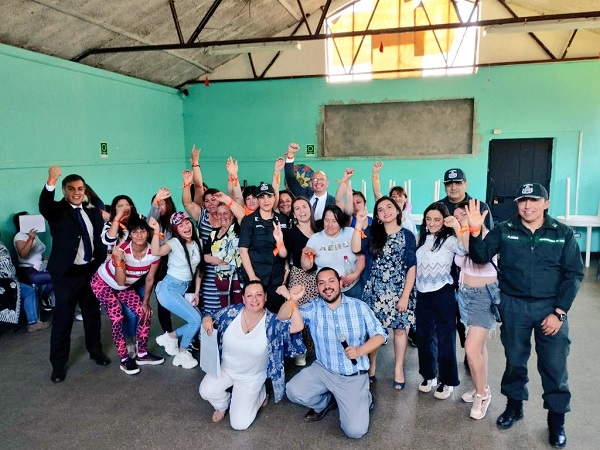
<point x="353" y="319"/>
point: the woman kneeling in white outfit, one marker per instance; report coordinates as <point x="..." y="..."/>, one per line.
<point x="252" y="345"/>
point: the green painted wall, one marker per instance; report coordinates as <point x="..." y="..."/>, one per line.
<point x="254" y="122"/>
<point x="56" y="112"/>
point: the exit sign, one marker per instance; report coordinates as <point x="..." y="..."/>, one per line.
<point x="103" y="150"/>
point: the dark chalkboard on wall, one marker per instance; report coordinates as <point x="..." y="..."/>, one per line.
<point x="438" y="128"/>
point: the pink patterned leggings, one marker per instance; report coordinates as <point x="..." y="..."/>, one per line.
<point x="111" y="299"/>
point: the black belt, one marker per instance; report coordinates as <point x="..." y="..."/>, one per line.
<point x="360" y="372"/>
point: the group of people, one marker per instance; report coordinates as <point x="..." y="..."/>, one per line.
<point x="286" y="260"/>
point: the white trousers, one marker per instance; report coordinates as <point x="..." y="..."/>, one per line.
<point x="244" y="402"/>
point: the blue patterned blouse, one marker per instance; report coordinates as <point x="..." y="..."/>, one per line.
<point x="280" y="343"/>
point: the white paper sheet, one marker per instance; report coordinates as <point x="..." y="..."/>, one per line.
<point x="210" y="361"/>
<point x="32" y="222"/>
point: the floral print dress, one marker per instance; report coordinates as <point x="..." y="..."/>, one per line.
<point x="387" y="279"/>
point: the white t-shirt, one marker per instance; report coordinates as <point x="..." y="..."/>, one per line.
<point x="245" y="355"/>
<point x="35" y="258"/>
<point x="177" y="266"/>
<point x="331" y="251"/>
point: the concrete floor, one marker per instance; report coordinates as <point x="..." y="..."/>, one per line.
<point x="101" y="407"/>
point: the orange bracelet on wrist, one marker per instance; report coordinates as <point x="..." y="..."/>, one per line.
<point x="196" y="165"/>
<point x="230" y="203"/>
<point x="115" y="263"/>
<point x="51" y="182"/>
<point x="362" y="233"/>
<point x="475" y="230"/>
<point x="186" y="185"/>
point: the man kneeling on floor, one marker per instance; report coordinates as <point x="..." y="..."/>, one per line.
<point x="339" y="326"/>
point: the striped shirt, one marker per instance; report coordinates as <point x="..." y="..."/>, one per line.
<point x="134" y="268"/>
<point x="352" y="319"/>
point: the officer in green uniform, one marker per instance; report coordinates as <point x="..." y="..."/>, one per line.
<point x="540" y="270"/>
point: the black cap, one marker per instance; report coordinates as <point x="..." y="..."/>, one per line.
<point x="532" y="190"/>
<point x="264" y="189"/>
<point x="453" y="175"/>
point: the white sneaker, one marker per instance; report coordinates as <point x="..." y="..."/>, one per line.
<point x="300" y="360"/>
<point x="171" y="345"/>
<point x="480" y="406"/>
<point x="427" y="385"/>
<point x="185" y="360"/>
<point x="443" y="392"/>
<point x="468" y="397"/>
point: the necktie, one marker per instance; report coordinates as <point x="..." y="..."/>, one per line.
<point x="314" y="205"/>
<point x="85" y="236"/>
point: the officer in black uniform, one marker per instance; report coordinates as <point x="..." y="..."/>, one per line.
<point x="540" y="271"/>
<point x="261" y="246"/>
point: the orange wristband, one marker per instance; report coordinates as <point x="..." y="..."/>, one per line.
<point x="51" y="182"/>
<point x="230" y="203"/>
<point x="118" y="265"/>
<point x="186" y="185"/>
<point x="362" y="233"/>
<point x="196" y="165"/>
<point x="475" y="230"/>
<point x="277" y="178"/>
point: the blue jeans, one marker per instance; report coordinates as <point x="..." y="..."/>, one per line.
<point x="436" y="335"/>
<point x="170" y="293"/>
<point x="30" y="304"/>
<point x="521" y="317"/>
<point x="130" y="321"/>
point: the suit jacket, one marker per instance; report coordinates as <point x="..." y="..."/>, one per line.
<point x="299" y="191"/>
<point x="66" y="233"/>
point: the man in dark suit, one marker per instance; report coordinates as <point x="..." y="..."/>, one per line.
<point x="76" y="254"/>
<point x="316" y="193"/>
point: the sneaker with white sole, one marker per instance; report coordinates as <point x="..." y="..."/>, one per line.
<point x="443" y="392"/>
<point x="185" y="360"/>
<point x="427" y="385"/>
<point x="480" y="406"/>
<point x="468" y="397"/>
<point x="149" y="360"/>
<point x="171" y="345"/>
<point x="300" y="360"/>
<point x="129" y="366"/>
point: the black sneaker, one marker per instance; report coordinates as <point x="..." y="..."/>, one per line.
<point x="149" y="360"/>
<point x="129" y="366"/>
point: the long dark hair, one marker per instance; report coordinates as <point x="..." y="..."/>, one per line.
<point x="164" y="220"/>
<point x="378" y="233"/>
<point x="113" y="206"/>
<point x="441" y="235"/>
<point x="184" y="245"/>
<point x="313" y="224"/>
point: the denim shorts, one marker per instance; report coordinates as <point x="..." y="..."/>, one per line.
<point x="475" y="305"/>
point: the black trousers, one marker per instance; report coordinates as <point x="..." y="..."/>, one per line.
<point x="69" y="290"/>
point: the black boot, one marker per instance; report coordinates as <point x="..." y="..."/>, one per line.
<point x="556" y="427"/>
<point x="512" y="413"/>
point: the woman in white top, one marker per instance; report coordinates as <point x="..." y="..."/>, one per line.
<point x="436" y="302"/>
<point x="478" y="290"/>
<point x="332" y="248"/>
<point x="184" y="250"/>
<point x="31" y="267"/>
<point x="252" y="344"/>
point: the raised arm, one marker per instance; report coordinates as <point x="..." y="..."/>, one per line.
<point x="197" y="176"/>
<point x="289" y="310"/>
<point x="233" y="183"/>
<point x="190" y="206"/>
<point x="24" y="247"/>
<point x="155" y="247"/>
<point x="236" y="209"/>
<point x="362" y="222"/>
<point x="343" y="195"/>
<point x="46" y="201"/>
<point x="290" y="174"/>
<point x="375" y="183"/>
<point x="276" y="183"/>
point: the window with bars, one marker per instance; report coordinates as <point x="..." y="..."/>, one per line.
<point x="406" y="54"/>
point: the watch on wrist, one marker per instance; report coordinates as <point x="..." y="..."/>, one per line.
<point x="561" y="317"/>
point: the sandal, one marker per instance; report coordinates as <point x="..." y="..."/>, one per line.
<point x="218" y="415"/>
<point x="398" y="386"/>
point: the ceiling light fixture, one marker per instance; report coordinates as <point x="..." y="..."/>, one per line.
<point x="545" y="25"/>
<point x="238" y="49"/>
